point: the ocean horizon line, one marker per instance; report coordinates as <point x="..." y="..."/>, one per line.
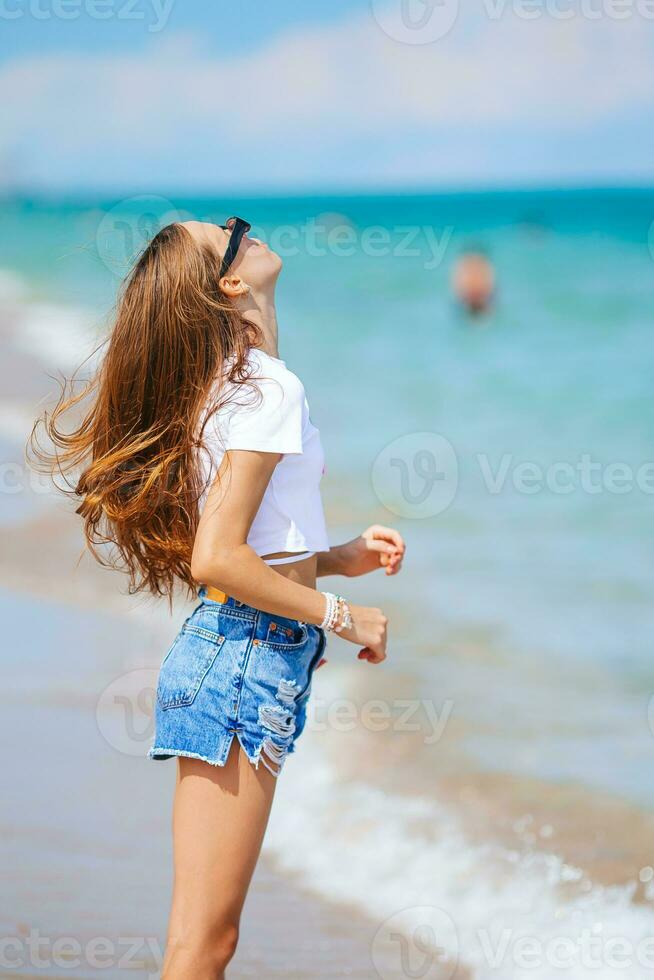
<point x="111" y="196"/>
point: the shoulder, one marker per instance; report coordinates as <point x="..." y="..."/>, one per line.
<point x="273" y="378"/>
<point x="266" y="367"/>
<point x="267" y="412"/>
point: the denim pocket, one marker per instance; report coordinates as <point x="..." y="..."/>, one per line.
<point x="286" y="635"/>
<point x="186" y="665"/>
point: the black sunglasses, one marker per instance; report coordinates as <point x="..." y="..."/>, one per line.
<point x="238" y="228"/>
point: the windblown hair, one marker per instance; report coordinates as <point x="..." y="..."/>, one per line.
<point x="177" y="347"/>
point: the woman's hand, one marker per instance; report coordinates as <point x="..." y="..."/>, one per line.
<point x="369" y="632"/>
<point x="377" y="547"/>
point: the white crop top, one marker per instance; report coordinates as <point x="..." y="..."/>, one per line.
<point x="290" y="517"/>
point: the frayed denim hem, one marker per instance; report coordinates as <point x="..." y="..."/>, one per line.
<point x="267" y="748"/>
<point x="160" y="755"/>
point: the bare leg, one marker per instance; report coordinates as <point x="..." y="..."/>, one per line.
<point x="219" y="819"/>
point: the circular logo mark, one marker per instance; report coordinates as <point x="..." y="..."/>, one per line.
<point x="416" y="21"/>
<point x="650" y="714"/>
<point x="416" y="475"/>
<point x="420" y="943"/>
<point x="128" y="226"/>
<point x="125" y="711"/>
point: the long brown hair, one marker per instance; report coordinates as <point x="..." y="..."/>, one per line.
<point x="176" y="347"/>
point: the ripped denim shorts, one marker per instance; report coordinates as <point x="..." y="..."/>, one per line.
<point x="235" y="671"/>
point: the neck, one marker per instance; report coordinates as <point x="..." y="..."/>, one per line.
<point x="260" y="310"/>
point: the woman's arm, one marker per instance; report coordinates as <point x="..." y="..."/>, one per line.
<point x="376" y="547"/>
<point x="223" y="559"/>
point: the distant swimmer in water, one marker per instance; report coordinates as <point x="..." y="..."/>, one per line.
<point x="473" y="282"/>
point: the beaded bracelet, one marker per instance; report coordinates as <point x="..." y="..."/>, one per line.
<point x="344" y="615"/>
<point x="337" y="614"/>
<point x="331" y="611"/>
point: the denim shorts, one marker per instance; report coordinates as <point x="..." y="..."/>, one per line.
<point x="235" y="671"/>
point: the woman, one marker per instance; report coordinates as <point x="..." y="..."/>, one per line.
<point x="200" y="465"/>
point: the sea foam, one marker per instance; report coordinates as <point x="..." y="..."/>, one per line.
<point x="405" y="861"/>
<point x="61" y="337"/>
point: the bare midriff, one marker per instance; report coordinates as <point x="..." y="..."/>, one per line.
<point x="303" y="571"/>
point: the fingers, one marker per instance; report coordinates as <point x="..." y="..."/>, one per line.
<point x="392" y="563"/>
<point x="389" y="544"/>
<point x="377" y="531"/>
<point x="372" y="656"/>
<point x="383" y="547"/>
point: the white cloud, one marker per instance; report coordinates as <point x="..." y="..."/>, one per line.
<point x="314" y="94"/>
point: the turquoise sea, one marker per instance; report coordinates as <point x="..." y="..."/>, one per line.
<point x="515" y="453"/>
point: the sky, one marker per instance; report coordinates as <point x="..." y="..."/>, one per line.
<point x="203" y="96"/>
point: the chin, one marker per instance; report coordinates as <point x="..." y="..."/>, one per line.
<point x="264" y="272"/>
<point x="276" y="263"/>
